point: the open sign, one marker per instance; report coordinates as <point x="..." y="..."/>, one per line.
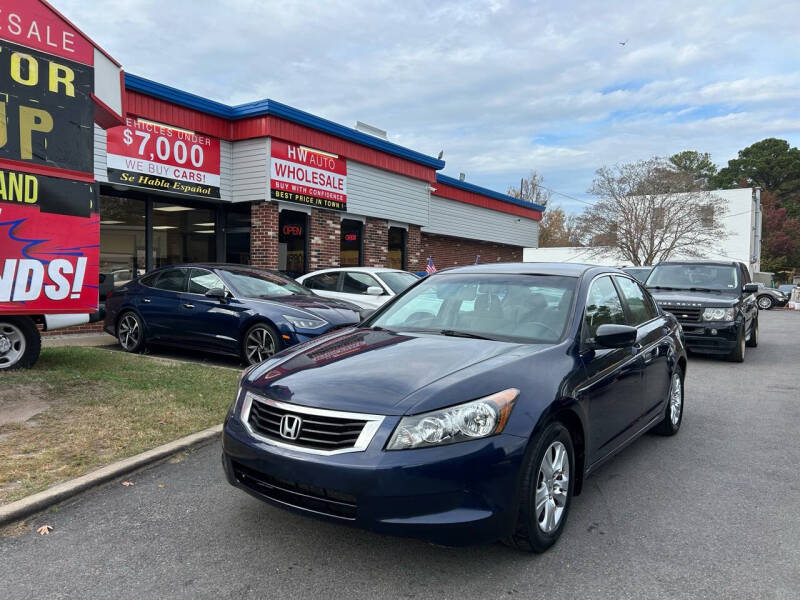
<point x="295" y="230"/>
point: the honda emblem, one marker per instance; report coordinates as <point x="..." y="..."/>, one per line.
<point x="290" y="427"/>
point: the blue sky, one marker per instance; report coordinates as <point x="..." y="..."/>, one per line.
<point x="503" y="87"/>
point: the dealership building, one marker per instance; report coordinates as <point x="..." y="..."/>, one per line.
<point x="188" y="179"/>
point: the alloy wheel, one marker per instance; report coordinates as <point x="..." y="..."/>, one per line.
<point x="129" y="332"/>
<point x="259" y="345"/>
<point x="675" y="399"/>
<point x="12" y="345"/>
<point x="552" y="487"/>
<point x="765" y="303"/>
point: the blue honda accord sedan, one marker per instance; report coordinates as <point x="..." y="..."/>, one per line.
<point x="229" y="309"/>
<point x="470" y="408"/>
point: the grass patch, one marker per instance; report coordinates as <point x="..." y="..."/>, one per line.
<point x="100" y="406"/>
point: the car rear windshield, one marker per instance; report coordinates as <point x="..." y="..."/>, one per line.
<point x="252" y="283"/>
<point x="683" y="277"/>
<point x="507" y="307"/>
<point x="398" y="281"/>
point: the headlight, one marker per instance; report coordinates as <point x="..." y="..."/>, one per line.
<point x="305" y="322"/>
<point x="476" y="419"/>
<point x="718" y="314"/>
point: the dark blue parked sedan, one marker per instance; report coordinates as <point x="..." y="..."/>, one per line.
<point x="468" y="409"/>
<point x="230" y="309"/>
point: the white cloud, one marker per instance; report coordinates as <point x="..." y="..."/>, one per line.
<point x="504" y="86"/>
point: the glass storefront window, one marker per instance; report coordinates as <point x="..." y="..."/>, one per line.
<point x="122" y="242"/>
<point x="350" y="245"/>
<point x="396" y="258"/>
<point x="237" y="233"/>
<point x="182" y="234"/>
<point x="292" y="234"/>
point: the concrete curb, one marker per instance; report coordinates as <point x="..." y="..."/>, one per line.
<point x="62" y="491"/>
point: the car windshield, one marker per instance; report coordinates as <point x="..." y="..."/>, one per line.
<point x="507" y="307"/>
<point x="715" y="277"/>
<point x="640" y="274"/>
<point x="250" y="283"/>
<point x="397" y="280"/>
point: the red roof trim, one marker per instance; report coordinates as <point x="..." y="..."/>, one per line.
<point x="154" y="109"/>
<point x="451" y="193"/>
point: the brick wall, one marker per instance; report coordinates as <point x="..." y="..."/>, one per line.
<point x="416" y="259"/>
<point x="454" y="252"/>
<point x="324" y="239"/>
<point x="264" y="235"/>
<point x="376" y="242"/>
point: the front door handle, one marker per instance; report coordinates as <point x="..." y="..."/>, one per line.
<point x="146" y="300"/>
<point x="188" y="305"/>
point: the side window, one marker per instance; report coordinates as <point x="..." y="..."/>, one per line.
<point x="640" y="306"/>
<point x="149" y="280"/>
<point x="745" y="274"/>
<point x="200" y="281"/>
<point x="603" y="306"/>
<point x="171" y="280"/>
<point x="324" y="281"/>
<point x="357" y="283"/>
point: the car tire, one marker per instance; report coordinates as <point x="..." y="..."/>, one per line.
<point x="753" y="341"/>
<point x="544" y="503"/>
<point x="130" y="332"/>
<point x="263" y="336"/>
<point x="673" y="411"/>
<point x="738" y="353"/>
<point x="20" y="343"/>
<point x="764" y="302"/>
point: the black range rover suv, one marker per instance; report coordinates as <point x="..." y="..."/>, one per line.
<point x="715" y="303"/>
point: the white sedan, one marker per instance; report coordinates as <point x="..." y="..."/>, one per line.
<point x="368" y="287"/>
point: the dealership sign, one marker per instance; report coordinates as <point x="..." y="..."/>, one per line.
<point x="307" y="176"/>
<point x="49" y="227"/>
<point x="160" y="157"/>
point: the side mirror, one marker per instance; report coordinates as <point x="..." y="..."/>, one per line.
<point x="374" y="290"/>
<point x="218" y="293"/>
<point x="750" y="288"/>
<point x="615" y="336"/>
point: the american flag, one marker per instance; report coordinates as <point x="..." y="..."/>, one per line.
<point x="431" y="268"/>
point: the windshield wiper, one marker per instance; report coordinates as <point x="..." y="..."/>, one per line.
<point x="464" y="334"/>
<point x="663" y="287"/>
<point x="702" y="289"/>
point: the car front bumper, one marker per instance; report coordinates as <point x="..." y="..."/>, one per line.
<point x="711" y="337"/>
<point x="456" y="494"/>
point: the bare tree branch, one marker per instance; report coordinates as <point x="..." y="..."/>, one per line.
<point x="650" y="212"/>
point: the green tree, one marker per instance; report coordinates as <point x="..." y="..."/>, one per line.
<point x="697" y="165"/>
<point x="770" y="164"/>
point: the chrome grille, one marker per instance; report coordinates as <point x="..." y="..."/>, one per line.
<point x="320" y="431"/>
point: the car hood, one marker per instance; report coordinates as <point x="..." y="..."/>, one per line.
<point x="672" y="297"/>
<point x="336" y="312"/>
<point x="364" y="370"/>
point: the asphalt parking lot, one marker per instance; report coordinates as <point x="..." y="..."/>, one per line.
<point x="711" y="513"/>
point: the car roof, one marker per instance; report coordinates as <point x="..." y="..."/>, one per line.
<point x="533" y="268"/>
<point x="358" y="270"/>
<point x="720" y="263"/>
